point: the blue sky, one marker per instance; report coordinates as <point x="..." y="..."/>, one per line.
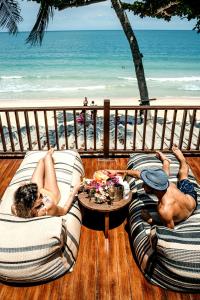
<point x="96" y="16"/>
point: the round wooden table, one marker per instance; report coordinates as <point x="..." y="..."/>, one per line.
<point x="105" y="208"/>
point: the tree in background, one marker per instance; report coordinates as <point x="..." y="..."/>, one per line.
<point x="166" y="9"/>
<point x="46" y="12"/>
<point x="10" y="15"/>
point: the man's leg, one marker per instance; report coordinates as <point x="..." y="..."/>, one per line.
<point x="165" y="161"/>
<point x="38" y="174"/>
<point x="183" y="168"/>
<point x="50" y="180"/>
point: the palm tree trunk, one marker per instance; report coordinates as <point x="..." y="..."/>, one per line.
<point x="137" y="56"/>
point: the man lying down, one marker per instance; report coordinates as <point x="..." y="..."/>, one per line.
<point x="175" y="203"/>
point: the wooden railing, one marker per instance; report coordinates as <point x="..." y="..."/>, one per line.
<point x="100" y="130"/>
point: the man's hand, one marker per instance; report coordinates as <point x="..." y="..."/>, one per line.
<point x="146" y="216"/>
<point x="115" y="172"/>
<point x="133" y="173"/>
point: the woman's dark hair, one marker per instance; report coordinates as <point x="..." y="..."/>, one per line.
<point x="24" y="199"/>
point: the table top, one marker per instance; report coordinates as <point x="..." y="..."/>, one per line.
<point x="103" y="207"/>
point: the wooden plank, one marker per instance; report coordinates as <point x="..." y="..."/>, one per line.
<point x="84" y="283"/>
<point x="106" y="128"/>
<point x="85" y="131"/>
<point x="144" y="130"/>
<point x="56" y="129"/>
<point x="102" y="285"/>
<point x="191" y="129"/>
<point x="173" y="129"/>
<point x="113" y="279"/>
<point x="19" y="131"/>
<point x="198" y="141"/>
<point x="65" y="129"/>
<point x="10" y="131"/>
<point x="154" y="129"/>
<point x="28" y="130"/>
<point x="8" y="168"/>
<point x="182" y="129"/>
<point x="37" y="129"/>
<point x="123" y="267"/>
<point x="46" y="128"/>
<point x="125" y="129"/>
<point x="104" y="270"/>
<point x="164" y="128"/>
<point x="116" y="126"/>
<point x="95" y="128"/>
<point x="2" y="136"/>
<point x="135" y="129"/>
<point x="75" y="129"/>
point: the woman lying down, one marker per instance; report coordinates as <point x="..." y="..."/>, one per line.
<point x="41" y="196"/>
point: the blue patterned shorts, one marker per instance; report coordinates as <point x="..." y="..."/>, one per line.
<point x="186" y="187"/>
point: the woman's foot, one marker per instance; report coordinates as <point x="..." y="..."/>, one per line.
<point x="177" y="152"/>
<point x="162" y="157"/>
<point x="51" y="151"/>
<point x="49" y="154"/>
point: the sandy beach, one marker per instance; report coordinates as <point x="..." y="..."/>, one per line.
<point x="79" y="102"/>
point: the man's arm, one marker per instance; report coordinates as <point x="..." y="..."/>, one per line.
<point x="133" y="173"/>
<point x="170" y="224"/>
<point x="167" y="217"/>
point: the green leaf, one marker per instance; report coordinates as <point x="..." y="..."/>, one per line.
<point x="10" y="15"/>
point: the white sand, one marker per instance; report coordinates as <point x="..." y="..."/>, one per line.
<point x="79" y="102"/>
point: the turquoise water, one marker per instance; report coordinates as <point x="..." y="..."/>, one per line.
<point x="98" y="64"/>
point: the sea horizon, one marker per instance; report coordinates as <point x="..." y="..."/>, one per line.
<point x="72" y="64"/>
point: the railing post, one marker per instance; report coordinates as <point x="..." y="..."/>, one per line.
<point x="106" y="132"/>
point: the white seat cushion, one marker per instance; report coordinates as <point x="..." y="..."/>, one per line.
<point x="40" y="249"/>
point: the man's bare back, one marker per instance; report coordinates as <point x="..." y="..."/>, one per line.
<point x="175" y="204"/>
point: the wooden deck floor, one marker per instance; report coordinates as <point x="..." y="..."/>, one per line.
<point x="105" y="269"/>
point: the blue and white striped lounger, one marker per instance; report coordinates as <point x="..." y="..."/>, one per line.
<point x="169" y="258"/>
<point x="44" y="248"/>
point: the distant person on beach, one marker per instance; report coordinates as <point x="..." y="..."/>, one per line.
<point x="92" y="103"/>
<point x="175" y="203"/>
<point x="81" y="117"/>
<point x="85" y="102"/>
<point x="40" y="197"/>
<point x="92" y="111"/>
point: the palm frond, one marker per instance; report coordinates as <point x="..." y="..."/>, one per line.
<point x="10" y="15"/>
<point x="37" y="33"/>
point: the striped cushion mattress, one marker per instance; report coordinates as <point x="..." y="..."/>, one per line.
<point x="169" y="258"/>
<point x="43" y="248"/>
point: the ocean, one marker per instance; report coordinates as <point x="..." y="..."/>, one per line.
<point x="98" y="64"/>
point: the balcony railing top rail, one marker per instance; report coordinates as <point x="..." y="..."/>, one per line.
<point x="98" y="107"/>
<point x="99" y="130"/>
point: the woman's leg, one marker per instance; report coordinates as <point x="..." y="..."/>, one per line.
<point x="38" y="174"/>
<point x="50" y="181"/>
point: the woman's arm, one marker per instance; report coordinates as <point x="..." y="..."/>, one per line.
<point x="63" y="210"/>
<point x="53" y="209"/>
